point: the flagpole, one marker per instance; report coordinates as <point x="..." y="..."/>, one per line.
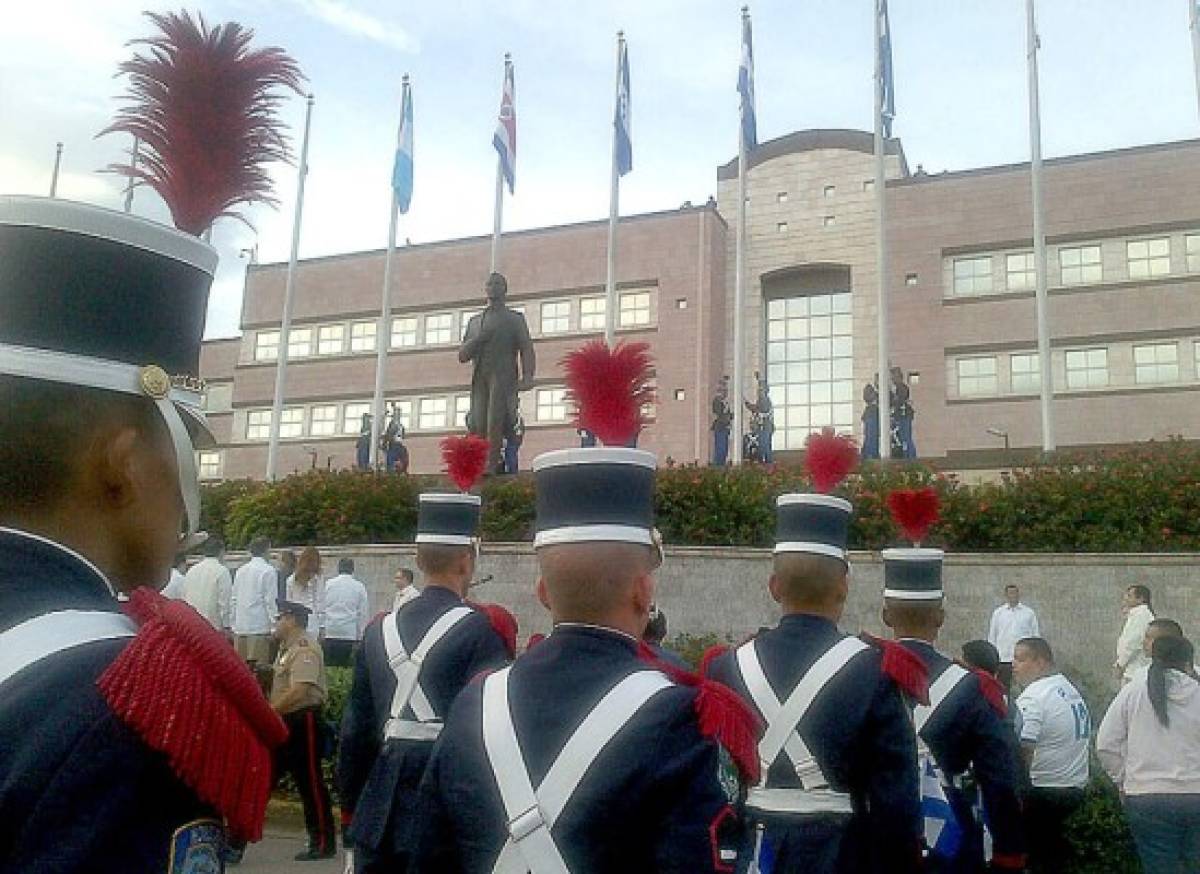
<point x="610" y="282"/>
<point x="883" y="352"/>
<point x="739" y="279"/>
<point x="1039" y="233"/>
<point x="382" y="334"/>
<point x="133" y="156"/>
<point x="1194" y="24"/>
<point x="285" y="326"/>
<point x="58" y="149"/>
<point x="499" y="212"/>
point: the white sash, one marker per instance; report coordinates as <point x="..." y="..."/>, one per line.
<point x="939" y="690"/>
<point x="43" y="636"/>
<point x="407" y="668"/>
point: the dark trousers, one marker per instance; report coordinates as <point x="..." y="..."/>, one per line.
<point x="368" y="861"/>
<point x="300" y="756"/>
<point x="720" y="447"/>
<point x="338" y="653"/>
<point x="1166" y="829"/>
<point x="1045" y="814"/>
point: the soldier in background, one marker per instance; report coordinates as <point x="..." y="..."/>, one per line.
<point x="721" y="423"/>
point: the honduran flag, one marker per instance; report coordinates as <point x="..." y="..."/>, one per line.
<point x="745" y="85"/>
<point x="505" y="139"/>
<point x="622" y="119"/>
<point x="402" y="169"/>
<point x="943" y="833"/>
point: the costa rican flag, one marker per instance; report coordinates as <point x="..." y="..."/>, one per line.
<point x="505" y="139"/>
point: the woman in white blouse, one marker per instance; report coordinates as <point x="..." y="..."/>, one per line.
<point x="1149" y="743"/>
<point x="306" y="587"/>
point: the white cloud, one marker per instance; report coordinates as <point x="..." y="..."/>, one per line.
<point x="344" y="17"/>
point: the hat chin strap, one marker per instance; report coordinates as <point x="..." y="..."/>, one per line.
<point x="82" y="370"/>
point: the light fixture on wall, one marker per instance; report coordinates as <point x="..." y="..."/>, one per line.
<point x="1002" y="434"/>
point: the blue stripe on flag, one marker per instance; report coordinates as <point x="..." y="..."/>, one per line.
<point x="402" y="168"/>
<point x="943" y="833"/>
<point x="622" y="120"/>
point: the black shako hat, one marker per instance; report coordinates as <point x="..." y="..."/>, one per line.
<point x="449" y="518"/>
<point x="106" y="300"/>
<point x="812" y="523"/>
<point x="913" y="574"/>
<point x="596" y="494"/>
<point x="292" y="608"/>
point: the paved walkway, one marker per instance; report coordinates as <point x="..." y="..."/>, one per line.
<point x="276" y="853"/>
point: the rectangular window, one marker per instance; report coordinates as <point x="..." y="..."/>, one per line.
<point x="291" y="422"/>
<point x="209" y="464"/>
<point x="433" y="413"/>
<point x="972" y="276"/>
<point x="1020" y="272"/>
<point x="1024" y="375"/>
<point x="323" y="420"/>
<point x="331" y="339"/>
<point x="1148" y="258"/>
<point x="828" y="221"/>
<point x="1087" y="368"/>
<point x="830" y="190"/>
<point x="977" y="376"/>
<point x="868" y="185"/>
<point x="218" y="397"/>
<point x="362" y="336"/>
<point x="781" y="197"/>
<point x="300" y="342"/>
<point x="1080" y="265"/>
<point x="556" y="316"/>
<point x="404" y="332"/>
<point x="591" y="314"/>
<point x="258" y="425"/>
<point x="781" y="227"/>
<point x="464" y="321"/>
<point x="1156" y="363"/>
<point x="462" y="406"/>
<point x="1191" y="244"/>
<point x="551" y="405"/>
<point x="635" y="309"/>
<point x="266" y="345"/>
<point x="352" y="417"/>
<point x="437" y="328"/>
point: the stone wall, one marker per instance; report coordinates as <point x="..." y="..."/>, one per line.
<point x="723" y="592"/>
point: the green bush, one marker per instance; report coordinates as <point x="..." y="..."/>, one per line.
<point x="1145" y="499"/>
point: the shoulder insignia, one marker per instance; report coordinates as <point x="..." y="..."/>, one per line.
<point x="993" y="692"/>
<point x="711" y="654"/>
<point x="502" y="622"/>
<point x="197" y="848"/>
<point x="183" y="689"/>
<point x="903" y="667"/>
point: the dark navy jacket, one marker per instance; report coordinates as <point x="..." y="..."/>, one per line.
<point x="860" y="732"/>
<point x="965" y="732"/>
<point x="379" y="782"/>
<point x="79" y="791"/>
<point x="652" y="803"/>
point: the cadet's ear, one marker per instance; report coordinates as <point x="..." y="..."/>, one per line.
<point x="113" y="470"/>
<point x="776" y="589"/>
<point x="542" y="595"/>
<point x="643" y="593"/>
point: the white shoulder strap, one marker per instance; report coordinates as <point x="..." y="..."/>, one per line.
<point x="784" y="719"/>
<point x="939" y="690"/>
<point x="407" y="666"/>
<point x="43" y="636"/>
<point x="531" y="815"/>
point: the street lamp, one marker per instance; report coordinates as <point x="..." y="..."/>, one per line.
<point x="1002" y="434"/>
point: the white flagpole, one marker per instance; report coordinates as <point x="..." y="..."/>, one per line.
<point x="57" y="165"/>
<point x="1194" y="24"/>
<point x="133" y="157"/>
<point x="1039" y="233"/>
<point x="498" y="215"/>
<point x="382" y="334"/>
<point x="610" y="282"/>
<point x="739" y="278"/>
<point x="884" y="355"/>
<point x="285" y="326"/>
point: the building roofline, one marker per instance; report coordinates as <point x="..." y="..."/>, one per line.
<point x="1023" y="166"/>
<point x="481" y="238"/>
<point x="847" y="139"/>
<point x="214" y="341"/>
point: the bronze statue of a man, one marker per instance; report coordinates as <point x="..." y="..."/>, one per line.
<point x="494" y="340"/>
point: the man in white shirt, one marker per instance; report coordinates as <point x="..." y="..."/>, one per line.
<point x="1055" y="727"/>
<point x="254" y="612"/>
<point x="1011" y="621"/>
<point x="208" y="586"/>
<point x="405" y="590"/>
<point x="347" y="611"/>
<point x="1131" y="654"/>
<point x="174" y="587"/>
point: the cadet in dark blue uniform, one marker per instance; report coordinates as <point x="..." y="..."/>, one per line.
<point x="841" y="791"/>
<point x="428" y="649"/>
<point x="586" y="756"/>
<point x="128" y="739"/>
<point x="962" y="728"/>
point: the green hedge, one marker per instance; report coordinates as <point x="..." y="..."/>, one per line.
<point x="1145" y="499"/>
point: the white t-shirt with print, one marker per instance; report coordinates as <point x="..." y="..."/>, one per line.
<point x="1055" y="719"/>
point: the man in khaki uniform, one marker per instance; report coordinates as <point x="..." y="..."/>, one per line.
<point x="298" y="690"/>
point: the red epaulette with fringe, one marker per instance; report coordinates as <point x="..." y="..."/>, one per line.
<point x="992" y="691"/>
<point x="906" y="669"/>
<point x="711" y="654"/>
<point x="722" y="714"/>
<point x="183" y="689"/>
<point x="503" y="623"/>
<point x="534" y="639"/>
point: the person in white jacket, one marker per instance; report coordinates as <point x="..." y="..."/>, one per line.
<point x="1149" y="743"/>
<point x="347" y="611"/>
<point x="208" y="587"/>
<point x="1131" y="656"/>
<point x="255" y="592"/>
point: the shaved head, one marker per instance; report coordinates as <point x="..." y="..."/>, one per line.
<point x="919" y="619"/>
<point x="804" y="581"/>
<point x="602" y="583"/>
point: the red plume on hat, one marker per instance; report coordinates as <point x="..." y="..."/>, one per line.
<point x="829" y="459"/>
<point x="204" y="107"/>
<point x="465" y="458"/>
<point x="915" y="511"/>
<point x="609" y="387"/>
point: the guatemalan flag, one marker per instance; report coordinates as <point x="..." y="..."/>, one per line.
<point x="505" y="139"/>
<point x="745" y="86"/>
<point x="624" y="141"/>
<point x="402" y="169"/>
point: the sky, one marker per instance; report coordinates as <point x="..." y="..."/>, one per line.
<point x="1114" y="73"/>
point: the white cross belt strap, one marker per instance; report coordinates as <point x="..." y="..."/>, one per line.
<point x="51" y="633"/>
<point x="783" y="720"/>
<point x="531" y="814"/>
<point x="407" y="668"/>
<point x="939" y="691"/>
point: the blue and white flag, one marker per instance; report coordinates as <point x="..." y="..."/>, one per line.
<point x="943" y="833"/>
<point x="402" y="169"/>
<point x="745" y="86"/>
<point x="887" y="106"/>
<point x="505" y="139"/>
<point x="622" y="119"/>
